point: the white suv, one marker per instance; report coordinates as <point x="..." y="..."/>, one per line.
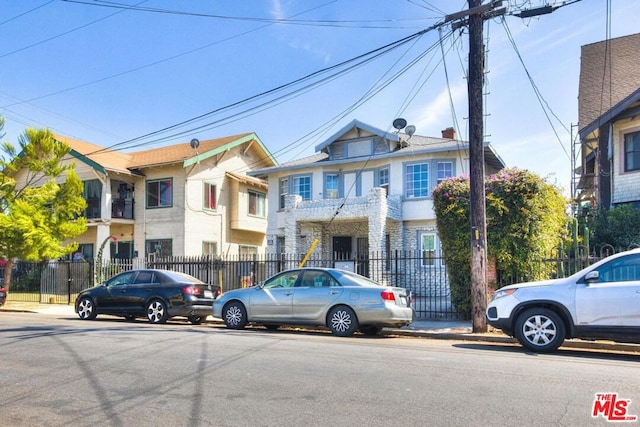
<point x="601" y="301"/>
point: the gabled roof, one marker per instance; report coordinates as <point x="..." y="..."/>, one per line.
<point x="609" y="80"/>
<point x="97" y="157"/>
<point x="102" y="159"/>
<point x="412" y="145"/>
<point x="356" y="124"/>
<point x="184" y="153"/>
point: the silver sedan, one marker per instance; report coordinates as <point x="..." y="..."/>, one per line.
<point x="342" y="301"/>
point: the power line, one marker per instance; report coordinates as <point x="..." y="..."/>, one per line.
<point x="63" y="33"/>
<point x="286" y="21"/>
<point x="25" y="13"/>
<point x="543" y="103"/>
<point x="357" y="61"/>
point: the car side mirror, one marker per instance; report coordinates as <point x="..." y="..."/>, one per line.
<point x="592" y="276"/>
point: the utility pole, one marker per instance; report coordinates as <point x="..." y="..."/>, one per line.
<point x="474" y="17"/>
<point x="476" y="171"/>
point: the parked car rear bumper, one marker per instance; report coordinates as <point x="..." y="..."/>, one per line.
<point x="191" y="310"/>
<point x="393" y="316"/>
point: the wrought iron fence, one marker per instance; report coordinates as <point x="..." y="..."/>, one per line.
<point x="426" y="277"/>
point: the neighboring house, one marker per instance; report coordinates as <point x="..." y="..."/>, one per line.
<point x="178" y="200"/>
<point x="609" y="123"/>
<point x="365" y="191"/>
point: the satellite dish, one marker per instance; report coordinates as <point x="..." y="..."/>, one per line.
<point x="410" y="130"/>
<point x="399" y="123"/>
<point x="195" y="143"/>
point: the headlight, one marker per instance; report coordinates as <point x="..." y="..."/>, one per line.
<point x="503" y="293"/>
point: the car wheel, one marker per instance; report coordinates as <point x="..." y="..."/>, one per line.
<point x="235" y="315"/>
<point x="195" y="320"/>
<point x="157" y="311"/>
<point x="540" y="330"/>
<point x="370" y="330"/>
<point x="342" y="321"/>
<point x="86" y="309"/>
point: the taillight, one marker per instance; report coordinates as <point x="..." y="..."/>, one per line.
<point x="388" y="295"/>
<point x="191" y="290"/>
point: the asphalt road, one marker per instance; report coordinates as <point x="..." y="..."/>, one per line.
<point x="59" y="370"/>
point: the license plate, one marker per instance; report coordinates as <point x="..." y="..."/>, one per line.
<point x="403" y="300"/>
<point x="208" y="294"/>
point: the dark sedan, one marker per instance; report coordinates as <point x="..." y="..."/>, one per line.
<point x="157" y="295"/>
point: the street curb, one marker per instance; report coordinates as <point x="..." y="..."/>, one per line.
<point x="505" y="339"/>
<point x="490" y="337"/>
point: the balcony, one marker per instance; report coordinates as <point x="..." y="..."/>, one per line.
<point x="122" y="209"/>
<point x="351" y="207"/>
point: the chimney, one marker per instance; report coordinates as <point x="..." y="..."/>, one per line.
<point x="449" y="133"/>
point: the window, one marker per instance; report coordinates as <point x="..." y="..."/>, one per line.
<point x="416" y="180"/>
<point x="122" y="279"/>
<point x="209" y="248"/>
<point x="257" y="204"/>
<point x="316" y="279"/>
<point x="209" y="199"/>
<point x="428" y="249"/>
<point x="302" y="187"/>
<point x="159" y="193"/>
<point x="625" y="269"/>
<point x="159" y="247"/>
<point x="383" y="179"/>
<point x="445" y="170"/>
<point x="284" y="190"/>
<point x="359" y="148"/>
<point x="246" y="251"/>
<point x="331" y="186"/>
<point x="284" y="280"/>
<point x="84" y="252"/>
<point x="632" y="152"/>
<point x="92" y="194"/>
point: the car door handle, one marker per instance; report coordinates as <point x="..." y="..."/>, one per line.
<point x="333" y="292"/>
<point x="288" y="293"/>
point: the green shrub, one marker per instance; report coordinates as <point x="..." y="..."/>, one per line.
<point x="526" y="220"/>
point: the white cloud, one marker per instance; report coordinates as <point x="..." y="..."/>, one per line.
<point x="277" y="11"/>
<point x="437" y="115"/>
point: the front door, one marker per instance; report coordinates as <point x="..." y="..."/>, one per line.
<point x="342" y="247"/>
<point x="363" y="256"/>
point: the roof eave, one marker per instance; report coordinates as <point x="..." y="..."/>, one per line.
<point x="247" y="138"/>
<point x="353" y="124"/>
<point x="610" y="115"/>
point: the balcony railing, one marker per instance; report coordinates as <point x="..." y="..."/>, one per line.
<point x="122" y="208"/>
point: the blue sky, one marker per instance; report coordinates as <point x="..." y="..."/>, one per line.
<point x="112" y="75"/>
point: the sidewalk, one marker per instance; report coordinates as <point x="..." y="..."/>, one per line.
<point x="434" y="329"/>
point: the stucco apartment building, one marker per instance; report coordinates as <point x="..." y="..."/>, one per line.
<point x="364" y="191"/>
<point x="187" y="199"/>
